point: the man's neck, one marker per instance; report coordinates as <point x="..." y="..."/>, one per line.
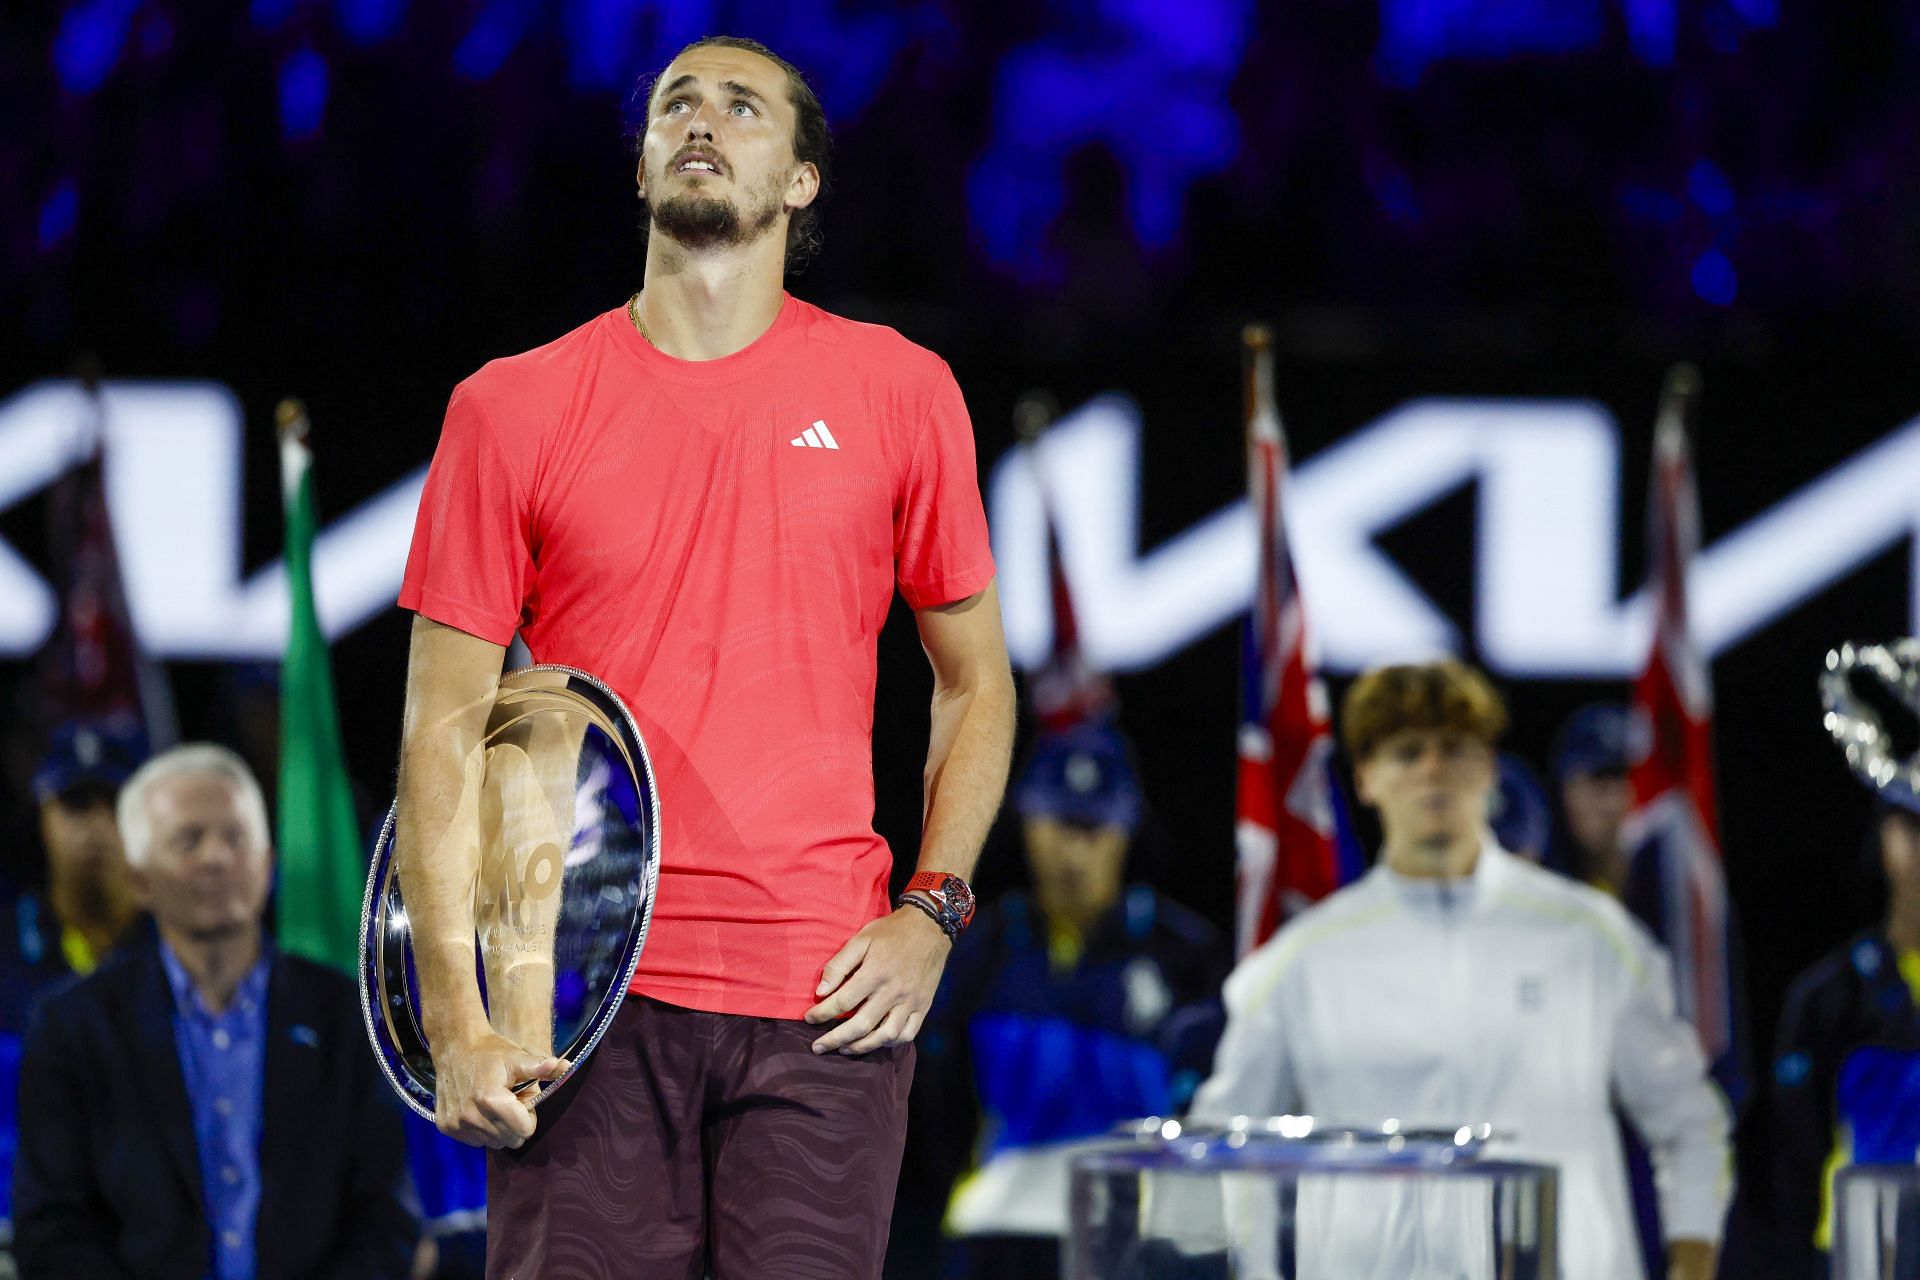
<point x="215" y="962"/>
<point x="1449" y="859"/>
<point x="702" y="306"/>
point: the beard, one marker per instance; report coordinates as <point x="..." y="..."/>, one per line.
<point x="699" y="222"/>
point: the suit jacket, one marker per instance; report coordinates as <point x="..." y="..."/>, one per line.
<point x="108" y="1176"/>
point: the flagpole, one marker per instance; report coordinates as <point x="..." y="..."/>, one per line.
<point x="1678" y="396"/>
<point x="1261" y="420"/>
<point x="1256" y="347"/>
<point x="1257" y="907"/>
<point x="290" y="420"/>
<point x="1672" y="526"/>
<point x="1672" y="425"/>
<point x="292" y="428"/>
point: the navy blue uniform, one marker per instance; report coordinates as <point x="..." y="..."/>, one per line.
<point x="1025" y="1048"/>
<point x="1845" y="1085"/>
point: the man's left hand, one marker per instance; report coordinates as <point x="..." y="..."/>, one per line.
<point x="881" y="984"/>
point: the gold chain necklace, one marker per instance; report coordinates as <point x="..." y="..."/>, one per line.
<point x="633" y="314"/>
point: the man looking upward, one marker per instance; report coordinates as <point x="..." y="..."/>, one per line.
<point x="706" y="497"/>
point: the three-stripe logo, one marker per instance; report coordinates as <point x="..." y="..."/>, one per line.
<point x="816" y="437"/>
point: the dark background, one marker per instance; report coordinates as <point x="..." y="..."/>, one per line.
<point x="360" y="202"/>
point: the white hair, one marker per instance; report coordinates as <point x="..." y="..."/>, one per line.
<point x="136" y="823"/>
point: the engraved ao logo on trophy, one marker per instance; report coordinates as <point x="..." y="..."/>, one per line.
<point x="509" y="897"/>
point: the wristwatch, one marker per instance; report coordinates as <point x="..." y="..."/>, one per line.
<point x="947" y="898"/>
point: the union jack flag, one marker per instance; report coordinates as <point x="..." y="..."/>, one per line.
<point x="1290" y="833"/>
<point x="1676" y="880"/>
<point x="92" y="666"/>
<point x="1067" y="690"/>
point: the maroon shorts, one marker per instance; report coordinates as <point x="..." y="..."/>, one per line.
<point x="695" y="1144"/>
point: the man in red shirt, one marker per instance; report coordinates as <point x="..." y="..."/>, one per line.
<point x="707" y="497"/>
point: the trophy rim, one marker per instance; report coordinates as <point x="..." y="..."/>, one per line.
<point x="383" y="870"/>
<point x="1861" y="738"/>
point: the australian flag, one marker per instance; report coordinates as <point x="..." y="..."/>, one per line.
<point x="92" y="667"/>
<point x="1290" y="833"/>
<point x="1676" y="881"/>
<point x="1067" y="690"/>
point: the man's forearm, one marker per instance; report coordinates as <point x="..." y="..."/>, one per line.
<point x="968" y="749"/>
<point x="438" y="852"/>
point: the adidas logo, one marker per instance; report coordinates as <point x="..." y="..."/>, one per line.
<point x="816" y="437"/>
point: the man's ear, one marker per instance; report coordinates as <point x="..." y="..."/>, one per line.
<point x="640" y="176"/>
<point x="803" y="186"/>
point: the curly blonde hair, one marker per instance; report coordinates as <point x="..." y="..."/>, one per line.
<point x="1428" y="695"/>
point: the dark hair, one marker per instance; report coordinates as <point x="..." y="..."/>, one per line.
<point x="812" y="141"/>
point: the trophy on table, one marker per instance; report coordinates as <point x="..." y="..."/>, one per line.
<point x="568" y="824"/>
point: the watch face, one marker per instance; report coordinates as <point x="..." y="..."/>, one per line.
<point x="958" y="895"/>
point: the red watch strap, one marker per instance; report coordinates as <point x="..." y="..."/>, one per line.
<point x="934" y="885"/>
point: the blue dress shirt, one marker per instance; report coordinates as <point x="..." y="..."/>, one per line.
<point x="223" y="1061"/>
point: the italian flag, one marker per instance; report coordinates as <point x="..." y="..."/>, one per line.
<point x="322" y="865"/>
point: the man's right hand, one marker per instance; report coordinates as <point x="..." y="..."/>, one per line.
<point x="474" y="1081"/>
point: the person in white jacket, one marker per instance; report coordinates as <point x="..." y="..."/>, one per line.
<point x="1457" y="984"/>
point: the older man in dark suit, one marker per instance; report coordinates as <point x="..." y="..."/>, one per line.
<point x="203" y="1106"/>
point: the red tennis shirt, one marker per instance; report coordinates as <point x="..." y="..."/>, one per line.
<point x="719" y="541"/>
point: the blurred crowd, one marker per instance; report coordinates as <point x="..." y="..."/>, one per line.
<point x="186" y="1100"/>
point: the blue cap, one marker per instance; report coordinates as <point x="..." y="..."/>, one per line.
<point x="1593" y="740"/>
<point x="1519" y="814"/>
<point x="1083" y="775"/>
<point x="105" y="752"/>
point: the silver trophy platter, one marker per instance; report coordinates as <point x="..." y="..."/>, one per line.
<point x="569" y="864"/>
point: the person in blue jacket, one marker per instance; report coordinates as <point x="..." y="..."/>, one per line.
<point x="68" y="923"/>
<point x="77" y="909"/>
<point x="203" y="1106"/>
<point x="1067" y="1008"/>
<point x="1845" y="1084"/>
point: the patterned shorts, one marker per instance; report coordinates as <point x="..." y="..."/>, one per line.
<point x="697" y="1144"/>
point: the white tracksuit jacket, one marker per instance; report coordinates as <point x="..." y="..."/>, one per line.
<point x="1512" y="996"/>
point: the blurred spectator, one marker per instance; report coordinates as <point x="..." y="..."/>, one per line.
<point x="83" y="904"/>
<point x="1521" y="818"/>
<point x="1845" y="1085"/>
<point x="1064" y="1010"/>
<point x="1590" y="763"/>
<point x="1459" y="984"/>
<point x="1590" y="774"/>
<point x="203" y="1106"/>
<point x="87" y="904"/>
